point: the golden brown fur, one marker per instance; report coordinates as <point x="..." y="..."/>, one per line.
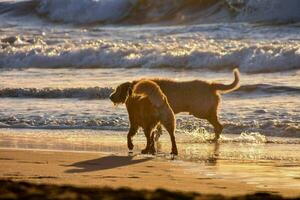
<point x="147" y="106"/>
<point x="198" y="98"/>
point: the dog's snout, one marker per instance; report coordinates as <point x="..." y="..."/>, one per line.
<point x="111" y="97"/>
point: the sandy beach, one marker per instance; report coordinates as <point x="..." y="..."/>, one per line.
<point x="94" y="169"/>
<point x="86" y="158"/>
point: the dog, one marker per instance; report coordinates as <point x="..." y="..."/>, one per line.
<point x="199" y="98"/>
<point x="147" y="106"/>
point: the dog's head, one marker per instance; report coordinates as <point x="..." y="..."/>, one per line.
<point x="121" y="92"/>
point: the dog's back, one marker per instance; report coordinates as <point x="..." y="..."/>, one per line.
<point x="148" y="105"/>
<point x="199" y="98"/>
<point x="150" y="89"/>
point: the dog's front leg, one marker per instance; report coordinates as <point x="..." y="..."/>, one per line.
<point x="158" y="132"/>
<point x="132" y="131"/>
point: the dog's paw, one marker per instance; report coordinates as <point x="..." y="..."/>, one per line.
<point x="144" y="151"/>
<point x="173" y="156"/>
<point x="152" y="151"/>
<point x="174" y="152"/>
<point x="216" y="138"/>
<point x="130" y="153"/>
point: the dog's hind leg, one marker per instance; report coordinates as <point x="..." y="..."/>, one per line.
<point x="158" y="132"/>
<point x="170" y="127"/>
<point x="132" y="131"/>
<point x="147" y="132"/>
<point x="154" y="138"/>
<point x="152" y="143"/>
<point x="218" y="127"/>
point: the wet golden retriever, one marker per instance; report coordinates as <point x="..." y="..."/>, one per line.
<point x="147" y="107"/>
<point x="198" y="98"/>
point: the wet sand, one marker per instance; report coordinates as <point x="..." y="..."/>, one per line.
<point x="84" y="158"/>
<point x="94" y="169"/>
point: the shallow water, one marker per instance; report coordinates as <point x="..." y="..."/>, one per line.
<point x="272" y="116"/>
<point x="192" y="146"/>
<point x="78" y="98"/>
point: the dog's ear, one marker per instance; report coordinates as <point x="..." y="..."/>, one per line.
<point x="129" y="91"/>
<point x="127" y="84"/>
<point x="124" y="86"/>
<point x="123" y="91"/>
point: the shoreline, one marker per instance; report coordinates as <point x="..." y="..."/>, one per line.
<point x="96" y="169"/>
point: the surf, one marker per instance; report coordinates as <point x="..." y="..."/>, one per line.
<point x="130" y="12"/>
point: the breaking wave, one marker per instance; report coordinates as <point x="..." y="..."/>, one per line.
<point x="104" y="92"/>
<point x="85" y="93"/>
<point x="279" y="128"/>
<point x="149" y="11"/>
<point x="192" y="53"/>
<point x="267" y="89"/>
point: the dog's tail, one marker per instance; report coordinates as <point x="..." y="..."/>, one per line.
<point x="149" y="89"/>
<point x="228" y="88"/>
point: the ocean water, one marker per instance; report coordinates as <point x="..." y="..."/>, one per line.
<point x="60" y="60"/>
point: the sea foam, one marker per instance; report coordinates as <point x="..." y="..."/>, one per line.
<point x="83" y="93"/>
<point x="195" y="53"/>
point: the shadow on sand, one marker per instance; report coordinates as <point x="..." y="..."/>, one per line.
<point x="107" y="162"/>
<point x="114" y="161"/>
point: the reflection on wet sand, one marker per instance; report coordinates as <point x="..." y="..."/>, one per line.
<point x="265" y="165"/>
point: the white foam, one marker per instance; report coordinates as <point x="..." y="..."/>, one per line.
<point x="198" y="135"/>
<point x="252" y="137"/>
<point x="253" y="56"/>
<point x="87" y="93"/>
<point x="202" y="136"/>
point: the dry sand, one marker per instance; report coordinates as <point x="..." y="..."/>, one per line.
<point x="99" y="169"/>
